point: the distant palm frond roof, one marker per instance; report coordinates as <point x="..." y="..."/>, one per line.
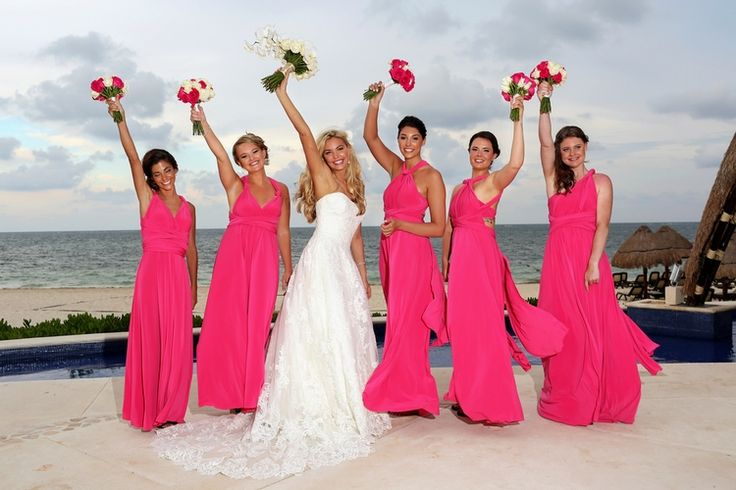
<point x="646" y="249"/>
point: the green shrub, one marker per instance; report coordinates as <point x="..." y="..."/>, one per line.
<point x="532" y="301"/>
<point x="76" y="324"/>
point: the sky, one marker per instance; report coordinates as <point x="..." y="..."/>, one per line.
<point x="651" y="83"/>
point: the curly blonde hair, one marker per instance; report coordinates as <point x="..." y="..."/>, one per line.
<point x="305" y="199"/>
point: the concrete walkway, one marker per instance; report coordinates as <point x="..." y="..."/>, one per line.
<point x="68" y="434"/>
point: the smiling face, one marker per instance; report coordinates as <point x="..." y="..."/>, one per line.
<point x="336" y="154"/>
<point x="250" y="156"/>
<point x="572" y="151"/>
<point x="163" y="175"/>
<point x="410" y="142"/>
<point x="481" y="154"/>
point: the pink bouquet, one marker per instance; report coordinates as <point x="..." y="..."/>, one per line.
<point x="105" y="88"/>
<point x="517" y="84"/>
<point x="195" y="91"/>
<point x="552" y="73"/>
<point x="400" y="74"/>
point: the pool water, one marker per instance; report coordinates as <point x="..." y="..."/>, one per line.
<point x="110" y="360"/>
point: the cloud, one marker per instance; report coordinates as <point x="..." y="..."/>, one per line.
<point x="715" y="102"/>
<point x="423" y="18"/>
<point x="709" y="156"/>
<point x="107" y="196"/>
<point x="8" y="147"/>
<point x="91" y="48"/>
<point x="52" y="168"/>
<point x="67" y="98"/>
<point x="554" y="25"/>
<point x="443" y="100"/>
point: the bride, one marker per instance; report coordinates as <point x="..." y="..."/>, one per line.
<point x="322" y="349"/>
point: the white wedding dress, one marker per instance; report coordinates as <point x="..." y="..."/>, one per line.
<point x="321" y="353"/>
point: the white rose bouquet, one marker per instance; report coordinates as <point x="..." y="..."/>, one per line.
<point x="292" y="52"/>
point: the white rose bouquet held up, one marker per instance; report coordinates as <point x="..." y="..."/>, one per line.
<point x="292" y="52"/>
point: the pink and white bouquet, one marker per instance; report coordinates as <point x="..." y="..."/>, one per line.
<point x="517" y="84"/>
<point x="290" y="52"/>
<point x="195" y="91"/>
<point x="105" y="88"/>
<point x="552" y="73"/>
<point x="400" y="75"/>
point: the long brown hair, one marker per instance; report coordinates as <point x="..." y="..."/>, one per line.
<point x="564" y="175"/>
<point x="305" y="198"/>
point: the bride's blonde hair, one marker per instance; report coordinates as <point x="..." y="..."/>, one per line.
<point x="305" y="200"/>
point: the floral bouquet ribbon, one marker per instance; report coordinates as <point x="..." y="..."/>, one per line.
<point x="105" y="88"/>
<point x="552" y="73"/>
<point x="291" y="52"/>
<point x="195" y="91"/>
<point x="517" y="84"/>
<point x="400" y="75"/>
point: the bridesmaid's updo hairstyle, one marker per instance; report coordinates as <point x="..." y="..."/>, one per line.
<point x="253" y="139"/>
<point x="486" y="135"/>
<point x="564" y="176"/>
<point x="151" y="158"/>
<point x="413" y="122"/>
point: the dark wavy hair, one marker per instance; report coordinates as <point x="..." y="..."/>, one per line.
<point x="413" y="122"/>
<point x="151" y="158"/>
<point x="564" y="175"/>
<point x="486" y="135"/>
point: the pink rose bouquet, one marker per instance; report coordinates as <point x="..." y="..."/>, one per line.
<point x="517" y="84"/>
<point x="195" y="91"/>
<point x="552" y="73"/>
<point x="400" y="75"/>
<point x="105" y="88"/>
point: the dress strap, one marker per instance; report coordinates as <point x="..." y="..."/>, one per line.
<point x="406" y="170"/>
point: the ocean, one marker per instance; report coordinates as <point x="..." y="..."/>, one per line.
<point x="110" y="258"/>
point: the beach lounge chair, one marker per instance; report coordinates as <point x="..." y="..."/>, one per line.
<point x="640" y="280"/>
<point x="657" y="291"/>
<point x="653" y="278"/>
<point x="635" y="292"/>
<point x="617" y="279"/>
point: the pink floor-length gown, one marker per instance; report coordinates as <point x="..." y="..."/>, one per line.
<point x="479" y="285"/>
<point x="158" y="366"/>
<point x="231" y="352"/>
<point x="415" y="301"/>
<point x="595" y="377"/>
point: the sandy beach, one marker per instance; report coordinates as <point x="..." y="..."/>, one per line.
<point x="46" y="304"/>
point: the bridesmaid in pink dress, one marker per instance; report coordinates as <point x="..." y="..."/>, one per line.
<point x="411" y="280"/>
<point x="595" y="377"/>
<point x="480" y="283"/>
<point x="231" y="352"/>
<point x="158" y="366"/>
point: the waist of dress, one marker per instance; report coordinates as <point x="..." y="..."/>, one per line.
<point x="404" y="215"/>
<point x="476" y="223"/>
<point x="252" y="221"/>
<point x="584" y="221"/>
<point x="163" y="248"/>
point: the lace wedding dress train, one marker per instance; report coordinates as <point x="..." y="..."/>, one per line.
<point x="321" y="353"/>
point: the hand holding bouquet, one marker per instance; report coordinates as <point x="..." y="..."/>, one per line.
<point x="290" y="51"/>
<point x="195" y="91"/>
<point x="517" y="84"/>
<point x="552" y="73"/>
<point x="105" y="88"/>
<point x="400" y="74"/>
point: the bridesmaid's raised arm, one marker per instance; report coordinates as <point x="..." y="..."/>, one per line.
<point x="546" y="142"/>
<point x="503" y="177"/>
<point x="228" y="177"/>
<point x="318" y="169"/>
<point x="389" y="160"/>
<point x="142" y="190"/>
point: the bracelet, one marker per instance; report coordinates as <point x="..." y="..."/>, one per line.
<point x="360" y="263"/>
